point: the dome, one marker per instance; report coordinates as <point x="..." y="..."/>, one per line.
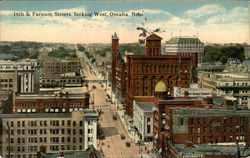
<point x="161" y="87"/>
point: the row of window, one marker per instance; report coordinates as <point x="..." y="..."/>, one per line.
<point x="217" y="139"/>
<point x="52" y="140"/>
<point x="45" y="123"/>
<point x="217" y="129"/>
<point x="221" y="120"/>
<point x="6" y="80"/>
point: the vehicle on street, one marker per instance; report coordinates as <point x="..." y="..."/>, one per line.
<point x="123" y="136"/>
<point x="128" y="144"/>
<point x="114" y="117"/>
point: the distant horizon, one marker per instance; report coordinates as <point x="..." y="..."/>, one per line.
<point x="75" y="22"/>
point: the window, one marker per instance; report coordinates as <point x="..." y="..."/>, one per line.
<point x="90" y="139"/>
<point x="181" y="121"/>
<point x="148" y="129"/>
<point x="198" y="140"/>
<point x="69" y="140"/>
<point x="198" y="130"/>
<point x="69" y="123"/>
<point x="191" y="121"/>
<point x="198" y="120"/>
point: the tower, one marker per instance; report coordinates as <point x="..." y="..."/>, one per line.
<point x="153" y="45"/>
<point x="114" y="50"/>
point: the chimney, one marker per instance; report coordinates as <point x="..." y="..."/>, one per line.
<point x="209" y="100"/>
<point x="186" y="94"/>
<point x="188" y="144"/>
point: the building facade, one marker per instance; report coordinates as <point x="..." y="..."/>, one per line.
<point x="51" y="103"/>
<point x="23" y="134"/>
<point x="192" y="92"/>
<point x="118" y="75"/>
<point x="56" y="67"/>
<point x="144" y="71"/>
<point x="143" y="119"/>
<point x="227" y="84"/>
<point x="61" y="73"/>
<point x="186" y="46"/>
<point x="20" y="76"/>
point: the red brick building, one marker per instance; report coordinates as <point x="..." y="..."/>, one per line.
<point x="51" y="103"/>
<point x="118" y="70"/>
<point x="182" y="121"/>
<point x="144" y="71"/>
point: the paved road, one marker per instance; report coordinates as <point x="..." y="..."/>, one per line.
<point x="112" y="146"/>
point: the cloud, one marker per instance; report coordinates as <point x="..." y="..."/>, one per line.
<point x="238" y="15"/>
<point x="209" y="9"/>
<point x="220" y="26"/>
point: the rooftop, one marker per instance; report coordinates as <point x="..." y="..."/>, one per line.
<point x="210" y="149"/>
<point x="145" y="106"/>
<point x="153" y="37"/>
<point x="51" y="96"/>
<point x="183" y="40"/>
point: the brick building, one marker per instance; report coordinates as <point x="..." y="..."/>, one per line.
<point x="51" y="103"/>
<point x="56" y="67"/>
<point x="61" y="73"/>
<point x="179" y="121"/>
<point x="202" y="126"/>
<point x="118" y="75"/>
<point x="144" y="71"/>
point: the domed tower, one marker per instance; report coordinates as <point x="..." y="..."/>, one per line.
<point x="161" y="90"/>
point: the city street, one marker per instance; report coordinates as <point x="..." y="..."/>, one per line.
<point x="112" y="146"/>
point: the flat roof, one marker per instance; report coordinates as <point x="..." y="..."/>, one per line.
<point x="35" y="115"/>
<point x="145" y="106"/>
<point x="210" y="149"/>
<point x="50" y="96"/>
<point x="179" y="99"/>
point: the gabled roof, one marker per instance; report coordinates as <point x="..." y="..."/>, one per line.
<point x="154" y="37"/>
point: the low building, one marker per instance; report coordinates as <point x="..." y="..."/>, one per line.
<point x="235" y="85"/>
<point x="223" y="150"/>
<point x="192" y="92"/>
<point x="211" y="67"/>
<point x="51" y="103"/>
<point x="143" y="119"/>
<point x="247" y="51"/>
<point x="91" y="152"/>
<point x="23" y="134"/>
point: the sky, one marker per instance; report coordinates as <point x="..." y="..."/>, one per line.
<point x="211" y="21"/>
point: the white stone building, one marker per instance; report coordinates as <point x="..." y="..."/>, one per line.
<point x="143" y="119"/>
<point x="192" y="92"/>
<point x="19" y="76"/>
<point x="185" y="46"/>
